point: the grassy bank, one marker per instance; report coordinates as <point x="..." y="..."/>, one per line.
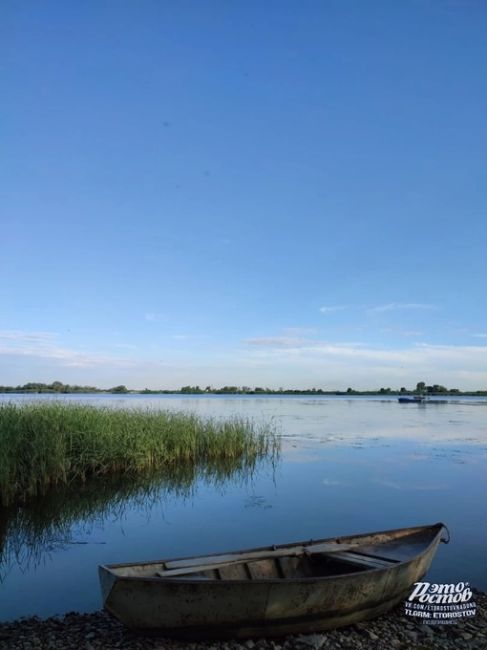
<point x="48" y="444"/>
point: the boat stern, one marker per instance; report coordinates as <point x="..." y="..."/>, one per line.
<point x="107" y="580"/>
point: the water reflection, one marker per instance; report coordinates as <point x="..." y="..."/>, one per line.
<point x="49" y="524"/>
<point x="346" y="466"/>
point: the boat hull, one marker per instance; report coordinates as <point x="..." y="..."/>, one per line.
<point x="411" y="400"/>
<point x="275" y="607"/>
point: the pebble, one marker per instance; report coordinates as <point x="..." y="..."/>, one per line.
<point x="394" y="631"/>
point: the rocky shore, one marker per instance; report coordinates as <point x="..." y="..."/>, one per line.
<point x="99" y="631"/>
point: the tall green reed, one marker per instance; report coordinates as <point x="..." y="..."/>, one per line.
<point x="57" y="443"/>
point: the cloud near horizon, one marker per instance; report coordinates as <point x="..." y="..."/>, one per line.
<point x="407" y="355"/>
<point x="45" y="345"/>
<point x="272" y="361"/>
<point x="451" y="365"/>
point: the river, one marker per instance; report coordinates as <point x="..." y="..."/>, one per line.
<point x="348" y="465"/>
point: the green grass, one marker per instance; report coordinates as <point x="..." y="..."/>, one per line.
<point x="50" y="444"/>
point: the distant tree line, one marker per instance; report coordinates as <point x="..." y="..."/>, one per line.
<point x="58" y="387"/>
<point x="421" y="388"/>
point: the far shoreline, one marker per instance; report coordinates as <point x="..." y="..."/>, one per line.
<point x="59" y="388"/>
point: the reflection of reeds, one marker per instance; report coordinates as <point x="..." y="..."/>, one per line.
<point x="48" y="444"/>
<point x="48" y="523"/>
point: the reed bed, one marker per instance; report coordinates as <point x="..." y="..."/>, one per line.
<point x="47" y="444"/>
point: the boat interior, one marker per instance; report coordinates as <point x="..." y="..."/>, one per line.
<point x="311" y="560"/>
<point x="272" y="568"/>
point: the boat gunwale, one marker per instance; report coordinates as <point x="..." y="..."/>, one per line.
<point x="305" y="579"/>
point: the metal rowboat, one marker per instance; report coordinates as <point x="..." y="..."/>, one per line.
<point x="273" y="591"/>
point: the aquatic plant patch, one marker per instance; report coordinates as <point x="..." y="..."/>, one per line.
<point x="48" y="444"/>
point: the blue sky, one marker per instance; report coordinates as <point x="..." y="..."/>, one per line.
<point x="249" y="193"/>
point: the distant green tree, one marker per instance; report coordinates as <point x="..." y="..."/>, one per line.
<point x="119" y="389"/>
<point x="420" y="387"/>
<point x="192" y="390"/>
<point x="229" y="389"/>
<point x="437" y="388"/>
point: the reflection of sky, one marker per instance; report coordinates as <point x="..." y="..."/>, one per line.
<point x="347" y="466"/>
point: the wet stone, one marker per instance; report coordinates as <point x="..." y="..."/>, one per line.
<point x="393" y="631"/>
<point x="313" y="641"/>
<point x="427" y="630"/>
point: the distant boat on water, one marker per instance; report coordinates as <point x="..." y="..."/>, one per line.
<point x="412" y="399"/>
<point x="420" y="399"/>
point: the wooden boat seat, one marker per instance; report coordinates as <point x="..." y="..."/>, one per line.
<point x="312" y="561"/>
<point x="364" y="560"/>
<point x="294" y="566"/>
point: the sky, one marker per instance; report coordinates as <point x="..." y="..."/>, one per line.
<point x="214" y="192"/>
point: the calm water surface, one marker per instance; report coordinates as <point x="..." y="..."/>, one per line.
<point x="347" y="466"/>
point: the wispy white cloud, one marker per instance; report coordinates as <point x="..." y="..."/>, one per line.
<point x="480" y="335"/>
<point x="401" y="306"/>
<point x="125" y="346"/>
<point x="364" y="365"/>
<point x="153" y="317"/>
<point x="270" y="361"/>
<point x="400" y="332"/>
<point x="410" y="355"/>
<point x="45" y="345"/>
<point x="223" y="241"/>
<point x="331" y="309"/>
<point x="299" y="331"/>
<point x="277" y="341"/>
<point x="22" y="336"/>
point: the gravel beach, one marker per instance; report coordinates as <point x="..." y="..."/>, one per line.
<point x="390" y="632"/>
